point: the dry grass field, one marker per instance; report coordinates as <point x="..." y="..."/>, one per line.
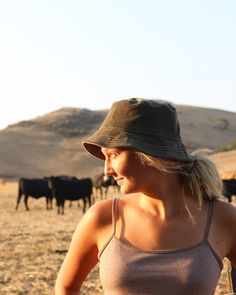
<point x="33" y="245"/>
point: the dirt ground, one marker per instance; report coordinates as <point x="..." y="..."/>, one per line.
<point x="33" y="245"/>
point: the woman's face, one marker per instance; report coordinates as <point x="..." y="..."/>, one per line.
<point x="127" y="170"/>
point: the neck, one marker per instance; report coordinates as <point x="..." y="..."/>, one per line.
<point x="165" y="209"/>
<point x="166" y="198"/>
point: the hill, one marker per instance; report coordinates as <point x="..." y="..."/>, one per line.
<point x="51" y="144"/>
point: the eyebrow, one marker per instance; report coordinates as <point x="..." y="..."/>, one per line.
<point x="107" y="150"/>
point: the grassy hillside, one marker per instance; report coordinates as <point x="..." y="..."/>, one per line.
<point x="51" y="144"/>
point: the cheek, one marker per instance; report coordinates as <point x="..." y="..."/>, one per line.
<point x="129" y="166"/>
<point x="133" y="174"/>
<point x="126" y="169"/>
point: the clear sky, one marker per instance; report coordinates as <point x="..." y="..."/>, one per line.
<point x="89" y="53"/>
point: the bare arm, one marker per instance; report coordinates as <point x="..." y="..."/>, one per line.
<point x="83" y="251"/>
<point x="232" y="230"/>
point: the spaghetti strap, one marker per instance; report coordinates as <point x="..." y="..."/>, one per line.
<point x="114" y="212"/>
<point x="113" y="216"/>
<point x="209" y="218"/>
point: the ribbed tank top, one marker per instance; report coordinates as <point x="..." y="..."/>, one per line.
<point x="127" y="270"/>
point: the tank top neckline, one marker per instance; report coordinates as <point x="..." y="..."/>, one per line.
<point x="159" y="251"/>
<point x="171" y="250"/>
<point x="122" y="243"/>
<point x="127" y="269"/>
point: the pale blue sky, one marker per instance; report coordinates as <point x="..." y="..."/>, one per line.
<point x="89" y="53"/>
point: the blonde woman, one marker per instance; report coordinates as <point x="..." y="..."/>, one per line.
<point x="169" y="232"/>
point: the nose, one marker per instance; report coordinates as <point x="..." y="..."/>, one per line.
<point x="108" y="170"/>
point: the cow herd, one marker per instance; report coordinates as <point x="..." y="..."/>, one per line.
<point x="62" y="188"/>
<point x="229" y="188"/>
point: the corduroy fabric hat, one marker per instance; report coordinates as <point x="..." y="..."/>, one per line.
<point x="148" y="126"/>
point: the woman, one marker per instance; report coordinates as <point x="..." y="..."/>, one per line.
<point x="169" y="231"/>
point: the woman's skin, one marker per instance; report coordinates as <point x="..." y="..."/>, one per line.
<point x="151" y="214"/>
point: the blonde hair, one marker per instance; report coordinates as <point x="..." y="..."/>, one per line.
<point x="200" y="178"/>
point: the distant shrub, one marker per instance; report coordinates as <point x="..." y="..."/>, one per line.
<point x="24" y="124"/>
<point x="68" y="132"/>
<point x="75" y="123"/>
<point x="222" y="124"/>
<point x="78" y="123"/>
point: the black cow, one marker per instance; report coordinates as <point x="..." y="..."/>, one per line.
<point x="229" y="188"/>
<point x="35" y="188"/>
<point x="66" y="188"/>
<point x="102" y="183"/>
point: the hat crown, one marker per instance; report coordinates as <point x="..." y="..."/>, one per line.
<point x="154" y="117"/>
<point x="148" y="126"/>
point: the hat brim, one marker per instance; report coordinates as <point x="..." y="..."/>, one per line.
<point x="160" y="148"/>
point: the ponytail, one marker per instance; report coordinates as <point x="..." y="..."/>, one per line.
<point x="200" y="178"/>
<point x="204" y="180"/>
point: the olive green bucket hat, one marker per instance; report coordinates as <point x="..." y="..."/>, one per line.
<point x="148" y="126"/>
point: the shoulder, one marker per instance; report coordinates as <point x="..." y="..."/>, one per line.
<point x="95" y="222"/>
<point x="223" y="233"/>
<point x="100" y="210"/>
<point x="227" y="215"/>
<point x="225" y="218"/>
<point x="99" y="213"/>
<point x="225" y="211"/>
